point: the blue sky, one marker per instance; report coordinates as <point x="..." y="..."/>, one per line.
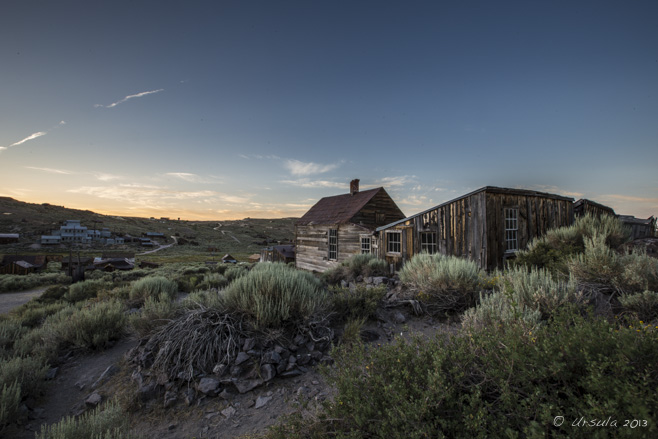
<point x="233" y="109"/>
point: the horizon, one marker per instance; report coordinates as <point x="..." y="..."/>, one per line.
<point x="226" y="110"/>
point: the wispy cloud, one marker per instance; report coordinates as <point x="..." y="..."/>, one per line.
<point x="259" y="157"/>
<point x="306" y="183"/>
<point x="302" y="168"/>
<point x="184" y="176"/>
<point x="137" y="95"/>
<point x="51" y="170"/>
<point x="32" y="136"/>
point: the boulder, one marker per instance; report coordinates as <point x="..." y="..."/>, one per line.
<point x="267" y="372"/>
<point x="241" y="358"/>
<point x="93" y="400"/>
<point x="208" y="386"/>
<point x="261" y="401"/>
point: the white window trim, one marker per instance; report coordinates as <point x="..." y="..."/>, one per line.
<point x="511" y="229"/>
<point x="394" y="232"/>
<point x="369" y="238"/>
<point x="331" y="235"/>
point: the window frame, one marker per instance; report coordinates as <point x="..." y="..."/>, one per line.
<point x="511" y="217"/>
<point x="332" y="244"/>
<point x="425" y="245"/>
<point x="366" y="249"/>
<point x="397" y="244"/>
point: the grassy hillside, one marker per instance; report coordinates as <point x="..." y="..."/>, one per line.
<point x="203" y="240"/>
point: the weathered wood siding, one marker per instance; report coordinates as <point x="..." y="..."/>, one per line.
<point x="313" y="245"/>
<point x="536" y="216"/>
<point x="473" y="226"/>
<point x="379" y="211"/>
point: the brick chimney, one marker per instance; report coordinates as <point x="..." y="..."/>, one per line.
<point x="354" y="186"/>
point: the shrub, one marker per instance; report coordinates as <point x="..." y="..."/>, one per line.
<point x="274" y="295"/>
<point x="29" y="372"/>
<point x="505" y="382"/>
<point x="14" y="282"/>
<point x="153" y="287"/>
<point x="89" y="328"/>
<point x="643" y="305"/>
<point x="235" y="272"/>
<point x="53" y="294"/>
<point x="10" y="331"/>
<point x="364" y="265"/>
<point x="10" y="399"/>
<point x="107" y="422"/>
<point x="86" y="290"/>
<point x="213" y="280"/>
<point x="358" y="303"/>
<point x="552" y="250"/>
<point x="155" y="313"/>
<point x="442" y="283"/>
<point x="33" y="313"/>
<point x="521" y="295"/>
<point x="206" y="299"/>
<point x="600" y="268"/>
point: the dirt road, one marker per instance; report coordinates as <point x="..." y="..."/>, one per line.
<point x="9" y="301"/>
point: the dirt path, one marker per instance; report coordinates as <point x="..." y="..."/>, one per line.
<point x="162" y="247"/>
<point x="9" y="301"/>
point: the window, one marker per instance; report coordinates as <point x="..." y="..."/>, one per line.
<point x="333" y="244"/>
<point x="365" y="245"/>
<point x="511" y="229"/>
<point x="428" y="242"/>
<point x="394" y="242"/>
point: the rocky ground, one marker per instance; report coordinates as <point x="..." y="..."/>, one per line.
<point x="207" y="408"/>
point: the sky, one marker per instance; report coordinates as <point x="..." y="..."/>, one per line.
<point x="231" y="109"/>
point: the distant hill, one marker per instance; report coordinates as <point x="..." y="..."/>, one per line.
<point x="239" y="237"/>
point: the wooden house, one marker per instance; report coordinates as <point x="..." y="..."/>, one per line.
<point x="583" y="207"/>
<point x="640" y="228"/>
<point x="22" y="264"/>
<point x="278" y="253"/>
<point x="340" y="226"/>
<point x="488" y="226"/>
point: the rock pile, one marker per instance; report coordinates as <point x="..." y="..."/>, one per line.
<point x="257" y="362"/>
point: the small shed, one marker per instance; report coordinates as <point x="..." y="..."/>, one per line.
<point x="228" y="259"/>
<point x="340" y="226"/>
<point x="22" y="264"/>
<point x="488" y="226"/>
<point x="583" y="207"/>
<point x="278" y="253"/>
<point x="640" y="228"/>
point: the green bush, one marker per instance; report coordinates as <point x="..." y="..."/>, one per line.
<point x="29" y="372"/>
<point x="358" y="303"/>
<point x="235" y="272"/>
<point x="603" y="269"/>
<point x="206" y="299"/>
<point x="364" y="265"/>
<point x="104" y="422"/>
<point x="153" y="287"/>
<point x="528" y="296"/>
<point x="155" y="313"/>
<point x="10" y="399"/>
<point x="552" y="250"/>
<point x="33" y="313"/>
<point x="504" y="382"/>
<point x="10" y="331"/>
<point x="442" y="283"/>
<point x="14" y="282"/>
<point x="85" y="290"/>
<point x="73" y="326"/>
<point x="53" y="294"/>
<point x="273" y="295"/>
<point x="644" y="306"/>
<point x="213" y="280"/>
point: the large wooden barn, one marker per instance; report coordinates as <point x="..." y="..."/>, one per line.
<point x="488" y="226"/>
<point x="340" y="226"/>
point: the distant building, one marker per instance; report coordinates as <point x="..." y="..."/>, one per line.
<point x="278" y="253"/>
<point x="640" y="228"/>
<point x="22" y="264"/>
<point x="9" y="238"/>
<point x="73" y="232"/>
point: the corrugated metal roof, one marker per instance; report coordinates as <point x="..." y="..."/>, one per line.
<point x="338" y="209"/>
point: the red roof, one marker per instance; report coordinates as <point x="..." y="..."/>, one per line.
<point x="338" y="209"/>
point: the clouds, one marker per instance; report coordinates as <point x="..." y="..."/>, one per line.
<point x="27" y="139"/>
<point x="297" y="167"/>
<point x="137" y="95"/>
